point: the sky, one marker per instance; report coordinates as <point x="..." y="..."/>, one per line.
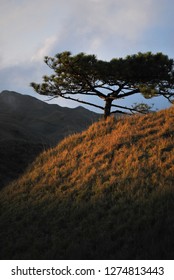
<point x="30" y="30"/>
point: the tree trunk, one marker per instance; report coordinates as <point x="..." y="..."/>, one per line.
<point x="107" y="109"/>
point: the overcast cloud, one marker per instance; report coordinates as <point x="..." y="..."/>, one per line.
<point x="29" y="30"/>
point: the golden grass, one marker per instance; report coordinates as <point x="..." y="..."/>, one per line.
<point x="104" y="193"/>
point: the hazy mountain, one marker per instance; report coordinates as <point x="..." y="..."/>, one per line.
<point x="105" y="193"/>
<point x="28" y="125"/>
<point x="27" y="118"/>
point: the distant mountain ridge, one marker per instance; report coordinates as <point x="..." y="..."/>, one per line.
<point x="28" y="125"/>
<point x="27" y="118"/>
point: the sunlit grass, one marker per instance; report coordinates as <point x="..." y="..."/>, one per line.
<point x="107" y="192"/>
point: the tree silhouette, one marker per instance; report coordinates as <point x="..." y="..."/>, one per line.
<point x="85" y="75"/>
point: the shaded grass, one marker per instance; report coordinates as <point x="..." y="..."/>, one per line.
<point x="106" y="193"/>
<point x="15" y="157"/>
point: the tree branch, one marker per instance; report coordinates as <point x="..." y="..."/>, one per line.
<point x="128" y="93"/>
<point x="81" y="101"/>
<point x="128" y="108"/>
<point x="169" y="98"/>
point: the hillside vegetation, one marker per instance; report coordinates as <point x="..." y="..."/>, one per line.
<point x="105" y="193"/>
<point x="29" y="126"/>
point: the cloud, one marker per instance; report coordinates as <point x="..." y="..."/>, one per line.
<point x="125" y="19"/>
<point x="23" y="28"/>
<point x="103" y="27"/>
<point x="108" y="28"/>
<point x="47" y="47"/>
<point x="29" y="29"/>
<point x="15" y="77"/>
<point x="117" y="28"/>
<point x="18" y="77"/>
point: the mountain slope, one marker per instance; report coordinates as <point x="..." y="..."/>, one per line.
<point x="106" y="193"/>
<point x="26" y="118"/>
<point x="28" y="126"/>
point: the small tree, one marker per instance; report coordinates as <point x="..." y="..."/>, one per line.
<point x="85" y="75"/>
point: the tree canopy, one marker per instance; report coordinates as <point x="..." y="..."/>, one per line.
<point x="85" y="75"/>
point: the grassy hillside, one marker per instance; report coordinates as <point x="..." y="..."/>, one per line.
<point x="106" y="193"/>
<point x="28" y="126"/>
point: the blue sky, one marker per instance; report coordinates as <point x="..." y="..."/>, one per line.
<point x="29" y="30"/>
